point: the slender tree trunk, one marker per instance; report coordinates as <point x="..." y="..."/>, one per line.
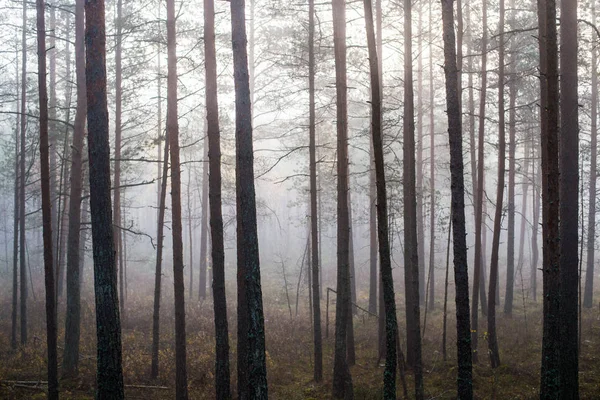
<point x="351" y="309"/>
<point x="461" y="275"/>
<point x="16" y="219"/>
<point x="537" y="180"/>
<point x="252" y="369"/>
<point x="569" y="204"/>
<point x="159" y="255"/>
<point x="52" y="131"/>
<point x="314" y="227"/>
<point x="478" y="277"/>
<point x="444" y="354"/>
<point x="222" y="374"/>
<point x="491" y="320"/>
<point x="411" y="254"/>
<point x="73" y="314"/>
<point x="190" y="232"/>
<point x="391" y="325"/>
<point x="342" y="380"/>
<point x="431" y="172"/>
<point x="46" y="207"/>
<point x="510" y="251"/>
<point x="204" y="224"/>
<point x="550" y="386"/>
<point x="591" y="236"/>
<point x="109" y="378"/>
<point x="23" y="270"/>
<point x="419" y="162"/>
<point x="181" y="389"/>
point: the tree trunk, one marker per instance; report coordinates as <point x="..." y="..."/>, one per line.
<point x="73" y="314"/>
<point x="222" y="374"/>
<point x="569" y="204"/>
<point x="52" y="131"/>
<point x="478" y="276"/>
<point x="491" y="320"/>
<point x="342" y="380"/>
<point x="591" y="236"/>
<point x="431" y="278"/>
<point x="190" y="232"/>
<point x="204" y="224"/>
<point x="351" y="309"/>
<point x="46" y="207"/>
<point x="181" y="389"/>
<point x="419" y="163"/>
<point x="510" y="251"/>
<point x="23" y="270"/>
<point x="314" y="227"/>
<point x="16" y="219"/>
<point x="550" y="196"/>
<point x="252" y="369"/>
<point x="537" y="179"/>
<point x="391" y="325"/>
<point x="159" y="254"/>
<point x="108" y="326"/>
<point x="461" y="275"/>
<point x="411" y="255"/>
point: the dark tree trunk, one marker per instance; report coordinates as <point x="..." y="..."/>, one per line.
<point x="569" y="204"/>
<point x="46" y="207"/>
<point x="510" y="246"/>
<point x="419" y="162"/>
<point x="491" y="320"/>
<point x="16" y="219"/>
<point x="23" y="183"/>
<point x="591" y="236"/>
<point x="109" y="380"/>
<point x="431" y="278"/>
<point x="342" y="380"/>
<point x="478" y="276"/>
<point x="389" y="375"/>
<point x="314" y="225"/>
<point x="159" y="255"/>
<point x="252" y="369"/>
<point x="73" y="314"/>
<point x="352" y="310"/>
<point x="461" y="276"/>
<point x="550" y="386"/>
<point x="411" y="256"/>
<point x="181" y="389"/>
<point x="537" y="179"/>
<point x="204" y="224"/>
<point x="445" y="318"/>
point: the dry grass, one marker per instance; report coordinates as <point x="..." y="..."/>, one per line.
<point x="289" y="344"/>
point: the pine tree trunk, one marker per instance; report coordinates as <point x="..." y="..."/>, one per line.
<point x="23" y="183"/>
<point x="569" y="204"/>
<point x="461" y="277"/>
<point x="73" y="314"/>
<point x="204" y="225"/>
<point x="550" y="198"/>
<point x="16" y="220"/>
<point x="222" y="374"/>
<point x="342" y="380"/>
<point x="181" y="389"/>
<point x="108" y="326"/>
<point x="314" y="223"/>
<point x="46" y="206"/>
<point x="431" y="278"/>
<point x="491" y="320"/>
<point x="252" y="369"/>
<point x="419" y="163"/>
<point x="411" y="254"/>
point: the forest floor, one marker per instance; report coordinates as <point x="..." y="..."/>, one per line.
<point x="290" y="350"/>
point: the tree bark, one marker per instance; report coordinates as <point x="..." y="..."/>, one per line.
<point x="204" y="224"/>
<point x="252" y="369"/>
<point x="411" y="254"/>
<point x="222" y="374"/>
<point x="73" y="314"/>
<point x="46" y="207"/>
<point x="461" y="275"/>
<point x="16" y="219"/>
<point x="181" y="389"/>
<point x="491" y="320"/>
<point x="569" y="204"/>
<point x="22" y="264"/>
<point x="314" y="223"/>
<point x="108" y="326"/>
<point x="432" y="172"/>
<point x="391" y="325"/>
<point x="550" y="385"/>
<point x="342" y="380"/>
<point x="419" y="163"/>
